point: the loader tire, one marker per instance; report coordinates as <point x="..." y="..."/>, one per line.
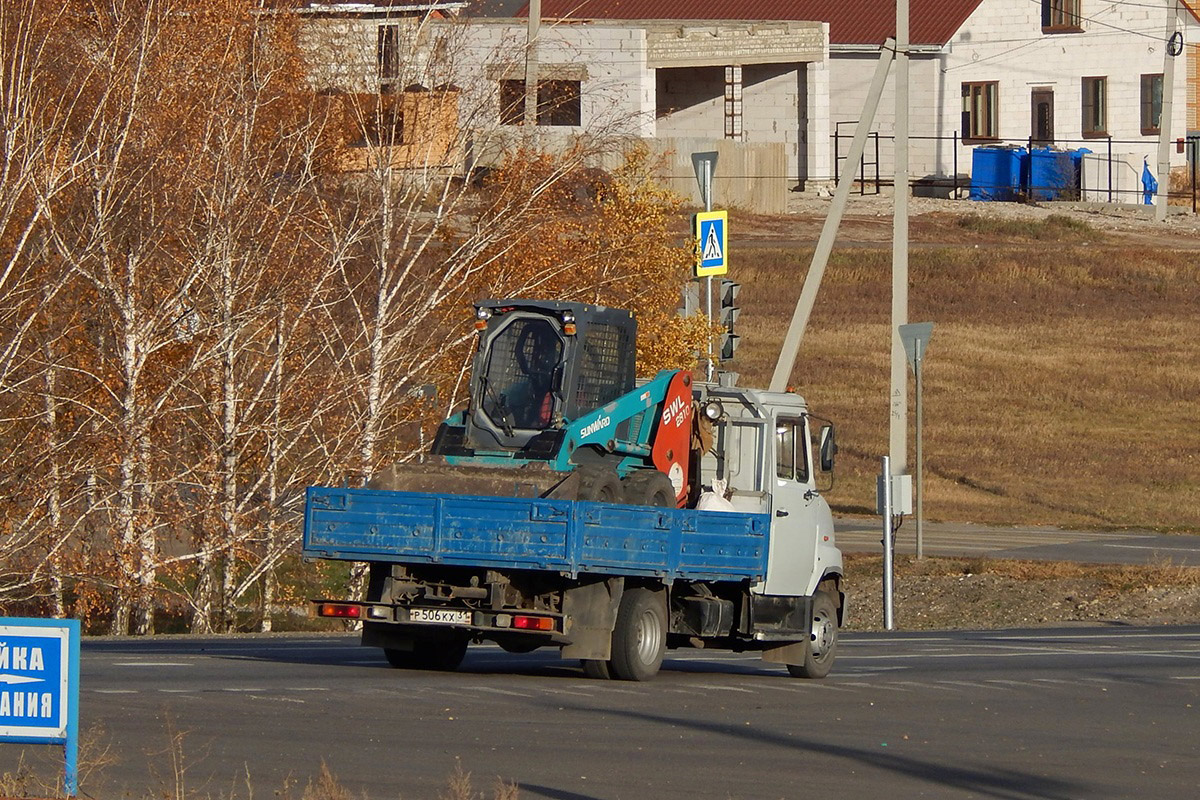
<point x="648" y="487"/>
<point x="600" y="485"/>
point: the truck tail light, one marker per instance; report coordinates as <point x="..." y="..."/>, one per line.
<point x="342" y="610"/>
<point x="533" y="623"/>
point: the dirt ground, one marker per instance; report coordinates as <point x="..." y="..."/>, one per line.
<point x="939" y="593"/>
<point x="978" y="594"/>
<point x="870" y="218"/>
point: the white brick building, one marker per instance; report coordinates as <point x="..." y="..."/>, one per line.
<point x="1067" y="73"/>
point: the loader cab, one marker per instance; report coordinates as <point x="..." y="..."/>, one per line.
<point x="538" y="365"/>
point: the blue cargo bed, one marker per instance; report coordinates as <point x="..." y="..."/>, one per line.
<point x="520" y="533"/>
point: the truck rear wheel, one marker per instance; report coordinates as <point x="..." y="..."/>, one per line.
<point x="639" y="639"/>
<point x="597" y="669"/>
<point x="822" y="642"/>
<point x="442" y="655"/>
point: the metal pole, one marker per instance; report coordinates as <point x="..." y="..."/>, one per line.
<point x="918" y="353"/>
<point x="708" y="190"/>
<point x="531" y="62"/>
<point x="1110" y="168"/>
<point x="816" y="270"/>
<point x="1192" y="153"/>
<point x="955" y="166"/>
<point x="898" y="428"/>
<point x="886" y="477"/>
<point x="1164" y="120"/>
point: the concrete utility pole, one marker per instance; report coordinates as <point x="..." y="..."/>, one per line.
<point x="816" y="270"/>
<point x="531" y="62"/>
<point x="898" y="416"/>
<point x="1164" y="120"/>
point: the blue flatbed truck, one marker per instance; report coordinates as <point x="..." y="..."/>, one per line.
<point x="543" y="524"/>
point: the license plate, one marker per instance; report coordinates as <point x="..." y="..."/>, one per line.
<point x="441" y="616"/>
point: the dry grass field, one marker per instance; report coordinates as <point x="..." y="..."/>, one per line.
<point x="1062" y="382"/>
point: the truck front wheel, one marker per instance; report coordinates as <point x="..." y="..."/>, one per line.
<point x="822" y="642"/>
<point x="639" y="639"/>
<point x="442" y="655"/>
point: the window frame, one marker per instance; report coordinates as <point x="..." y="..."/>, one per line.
<point x="387" y="56"/>
<point x="559" y="101"/>
<point x="797" y="468"/>
<point x="1094" y="125"/>
<point x="990" y="92"/>
<point x="1062" y="16"/>
<point x="1146" y="102"/>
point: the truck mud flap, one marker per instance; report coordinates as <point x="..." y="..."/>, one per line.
<point x="592" y="611"/>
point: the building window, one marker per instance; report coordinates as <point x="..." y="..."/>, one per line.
<point x="1095" y="107"/>
<point x="1152" y="90"/>
<point x="980" y="111"/>
<point x="558" y="102"/>
<point x="388" y="56"/>
<point x="1061" y="16"/>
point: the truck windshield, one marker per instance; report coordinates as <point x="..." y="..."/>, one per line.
<point x="518" y="383"/>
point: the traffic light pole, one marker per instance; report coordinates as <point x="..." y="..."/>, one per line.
<point x="708" y="370"/>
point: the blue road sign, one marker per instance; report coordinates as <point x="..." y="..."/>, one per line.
<point x="712" y="252"/>
<point x="39" y="686"/>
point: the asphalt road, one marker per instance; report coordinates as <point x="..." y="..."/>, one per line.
<point x="1096" y="712"/>
<point x="1034" y="543"/>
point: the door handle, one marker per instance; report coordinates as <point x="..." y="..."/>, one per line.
<point x="781" y="513"/>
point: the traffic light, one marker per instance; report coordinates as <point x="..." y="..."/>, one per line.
<point x="728" y="317"/>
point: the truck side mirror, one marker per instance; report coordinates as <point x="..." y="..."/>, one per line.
<point x="828" y="448"/>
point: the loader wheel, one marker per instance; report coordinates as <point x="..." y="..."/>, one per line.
<point x="822" y="642"/>
<point x="648" y="487"/>
<point x="441" y="655"/>
<point x="600" y="485"/>
<point x="639" y="639"/>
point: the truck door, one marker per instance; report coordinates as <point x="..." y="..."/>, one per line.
<point x="793" y="550"/>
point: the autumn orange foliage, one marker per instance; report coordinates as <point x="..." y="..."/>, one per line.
<point x="204" y="312"/>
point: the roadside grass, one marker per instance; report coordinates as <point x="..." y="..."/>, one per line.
<point x="1113" y="579"/>
<point x="25" y="782"/>
<point x="1054" y="228"/>
<point x="1062" y="384"/>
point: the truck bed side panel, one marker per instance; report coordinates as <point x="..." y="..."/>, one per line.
<point x="523" y="533"/>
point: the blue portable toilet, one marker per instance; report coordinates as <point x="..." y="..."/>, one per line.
<point x="996" y="172"/>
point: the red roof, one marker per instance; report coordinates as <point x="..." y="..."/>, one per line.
<point x="850" y="21"/>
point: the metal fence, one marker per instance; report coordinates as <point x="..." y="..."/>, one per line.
<point x="1106" y="174"/>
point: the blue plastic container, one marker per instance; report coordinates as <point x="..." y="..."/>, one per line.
<point x="996" y="173"/>
<point x="1053" y="174"/>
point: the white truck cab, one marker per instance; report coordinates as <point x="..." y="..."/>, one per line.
<point x="763" y="447"/>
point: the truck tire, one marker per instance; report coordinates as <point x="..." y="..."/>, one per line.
<point x="600" y="485"/>
<point x="648" y="487"/>
<point x="597" y="669"/>
<point x="822" y="643"/>
<point x="441" y="655"/>
<point x="639" y="638"/>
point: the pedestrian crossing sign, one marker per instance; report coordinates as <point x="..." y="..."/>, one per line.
<point x="712" y="252"/>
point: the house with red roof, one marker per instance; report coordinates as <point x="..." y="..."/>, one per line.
<point x="1064" y="73"/>
<point x="788" y="78"/>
